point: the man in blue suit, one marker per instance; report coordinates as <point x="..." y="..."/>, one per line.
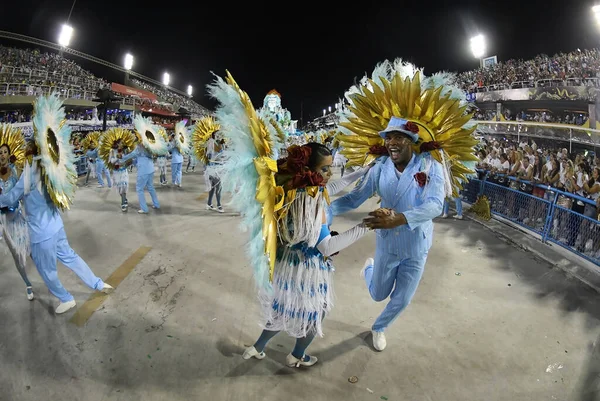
<point x="412" y="191"/>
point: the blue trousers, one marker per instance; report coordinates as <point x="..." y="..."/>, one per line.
<point x="458" y="203"/>
<point x="146" y="181"/>
<point x="45" y="254"/>
<point x="396" y="278"/>
<point x="176" y="173"/>
<point x="101" y="169"/>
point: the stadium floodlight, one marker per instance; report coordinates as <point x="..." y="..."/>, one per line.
<point x="190" y="90"/>
<point x="330" y="109"/>
<point x="128" y="61"/>
<point x="166" y="79"/>
<point x="478" y="46"/>
<point x="596" y="11"/>
<point x="324" y="111"/>
<point x="65" y="35"/>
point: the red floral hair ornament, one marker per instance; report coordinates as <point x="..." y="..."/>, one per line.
<point x="307" y="178"/>
<point x="297" y="158"/>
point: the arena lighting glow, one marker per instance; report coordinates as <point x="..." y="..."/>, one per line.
<point x="596" y="11"/>
<point x="128" y="61"/>
<point x="65" y="35"/>
<point x="190" y="90"/>
<point x="324" y="111"/>
<point x="166" y="79"/>
<point x="330" y="109"/>
<point x="478" y="46"/>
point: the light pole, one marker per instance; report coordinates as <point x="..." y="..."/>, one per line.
<point x="478" y="48"/>
<point x="166" y="79"/>
<point x="128" y="65"/>
<point x="190" y="90"/>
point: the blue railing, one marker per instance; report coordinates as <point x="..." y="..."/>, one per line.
<point x="563" y="218"/>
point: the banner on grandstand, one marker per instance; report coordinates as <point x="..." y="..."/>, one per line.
<point x="76" y="126"/>
<point x="128" y="90"/>
<point x="580" y="93"/>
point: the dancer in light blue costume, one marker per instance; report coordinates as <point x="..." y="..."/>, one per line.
<point x="12" y="220"/>
<point x="100" y="168"/>
<point x="48" y="239"/>
<point x="176" y="162"/>
<point x="283" y="207"/>
<point x="428" y="115"/>
<point x="151" y="143"/>
<point x="458" y="204"/>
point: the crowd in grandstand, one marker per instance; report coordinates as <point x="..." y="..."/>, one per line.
<point x="580" y="65"/>
<point x="37" y="71"/>
<point x="529" y="163"/>
<point x="545" y="116"/>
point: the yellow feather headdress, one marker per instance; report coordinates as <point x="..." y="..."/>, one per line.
<point x="434" y="104"/>
<point x="203" y="129"/>
<point x="108" y="140"/>
<point x="14" y="139"/>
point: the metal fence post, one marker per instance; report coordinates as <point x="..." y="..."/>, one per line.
<point x="549" y="217"/>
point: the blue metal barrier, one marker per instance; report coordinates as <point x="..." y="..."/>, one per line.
<point x="81" y="165"/>
<point x="563" y="218"/>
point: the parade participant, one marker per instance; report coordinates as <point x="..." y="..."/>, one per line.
<point x="101" y="169"/>
<point x="161" y="163"/>
<point x="46" y="185"/>
<point x="283" y="204"/>
<point x="179" y="145"/>
<point x="150" y="143"/>
<point x="12" y="220"/>
<point x="114" y="145"/>
<point x="212" y="177"/>
<point x="427" y="115"/>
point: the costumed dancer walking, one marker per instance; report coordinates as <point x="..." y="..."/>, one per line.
<point x="115" y="144"/>
<point x="179" y="145"/>
<point x="203" y="135"/>
<point x="430" y="116"/>
<point x="150" y="143"/>
<point x="12" y="220"/>
<point x="100" y="166"/>
<point x="161" y="163"/>
<point x="47" y="184"/>
<point x="88" y="144"/>
<point x="283" y="203"/>
<point x="212" y="177"/>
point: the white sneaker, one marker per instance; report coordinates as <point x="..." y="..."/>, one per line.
<point x="142" y="212"/>
<point x="293" y="362"/>
<point x="100" y="186"/>
<point x="444" y="216"/>
<point x="251" y="352"/>
<point x="64" y="307"/>
<point x="30" y="295"/>
<point x="368" y="262"/>
<point x="379" y="342"/>
<point x="210" y="207"/>
<point x="220" y="209"/>
<point x="458" y="216"/>
<point x="107" y="288"/>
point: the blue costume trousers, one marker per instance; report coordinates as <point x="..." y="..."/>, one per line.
<point x="146" y="181"/>
<point x="176" y="173"/>
<point x="101" y="169"/>
<point x="45" y="254"/>
<point x="394" y="277"/>
<point x="458" y="203"/>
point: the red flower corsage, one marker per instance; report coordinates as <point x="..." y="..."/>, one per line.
<point x="378" y="150"/>
<point x="412" y="127"/>
<point x="421" y="178"/>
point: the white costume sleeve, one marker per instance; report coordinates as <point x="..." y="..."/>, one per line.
<point x="330" y="245"/>
<point x="336" y="186"/>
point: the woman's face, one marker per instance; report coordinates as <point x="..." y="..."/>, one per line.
<point x="4" y="155"/>
<point x="595" y="174"/>
<point x="324" y="168"/>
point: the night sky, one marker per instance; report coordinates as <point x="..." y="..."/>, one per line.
<point x="310" y="54"/>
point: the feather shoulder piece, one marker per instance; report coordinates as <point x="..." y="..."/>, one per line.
<point x="183" y="140"/>
<point x="150" y="135"/>
<point x="248" y="173"/>
<point x="109" y="141"/>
